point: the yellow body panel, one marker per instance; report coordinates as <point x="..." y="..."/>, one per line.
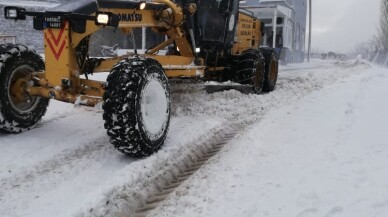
<point x="135" y="18"/>
<point x="59" y="56"/>
<point x="61" y="78"/>
<point x="248" y="33"/>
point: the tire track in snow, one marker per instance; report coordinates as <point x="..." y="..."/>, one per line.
<point x="288" y="90"/>
<point x="192" y="163"/>
<point x="60" y="168"/>
<point x="190" y="96"/>
<point x="54" y="165"/>
<point x="191" y="100"/>
<point x="98" y="150"/>
<point x="169" y="173"/>
<point x="30" y="182"/>
<point x="133" y="192"/>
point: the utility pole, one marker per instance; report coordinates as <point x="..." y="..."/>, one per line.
<point x="309" y="46"/>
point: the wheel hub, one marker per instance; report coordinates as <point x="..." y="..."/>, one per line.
<point x="258" y="77"/>
<point x="20" y="100"/>
<point x="272" y="73"/>
<point x="154" y="108"/>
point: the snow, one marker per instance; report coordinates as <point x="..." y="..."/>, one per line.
<point x="67" y="163"/>
<point x="154" y="107"/>
<point x="324" y="156"/>
<point x="316" y="146"/>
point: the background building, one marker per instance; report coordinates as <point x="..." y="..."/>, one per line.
<point x="290" y="17"/>
<point x="286" y="18"/>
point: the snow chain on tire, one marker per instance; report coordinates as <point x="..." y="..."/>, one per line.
<point x="17" y="61"/>
<point x="271" y="69"/>
<point x="251" y="69"/>
<point x="127" y="126"/>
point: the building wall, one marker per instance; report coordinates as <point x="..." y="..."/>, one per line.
<point x="294" y="29"/>
<point x="300" y="7"/>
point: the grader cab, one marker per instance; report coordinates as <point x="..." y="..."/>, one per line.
<point x="210" y="40"/>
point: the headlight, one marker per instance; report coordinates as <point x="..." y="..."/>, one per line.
<point x="15" y="13"/>
<point x="12" y="13"/>
<point x="197" y="50"/>
<point x="142" y="5"/>
<point x="103" y="19"/>
<point x="107" y="19"/>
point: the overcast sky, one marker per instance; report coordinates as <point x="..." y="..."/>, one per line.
<point x="338" y="25"/>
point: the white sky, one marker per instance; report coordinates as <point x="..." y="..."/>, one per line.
<point x="338" y="25"/>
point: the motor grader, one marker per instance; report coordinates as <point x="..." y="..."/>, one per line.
<point x="207" y="39"/>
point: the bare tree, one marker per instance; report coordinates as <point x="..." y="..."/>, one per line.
<point x="383" y="31"/>
<point x="375" y="43"/>
<point x="362" y="49"/>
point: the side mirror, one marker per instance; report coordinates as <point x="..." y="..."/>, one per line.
<point x="14" y="13"/>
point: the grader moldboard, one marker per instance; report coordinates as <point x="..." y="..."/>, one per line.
<point x="210" y="39"/>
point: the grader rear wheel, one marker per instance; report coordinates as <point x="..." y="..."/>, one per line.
<point x="251" y="70"/>
<point x="18" y="110"/>
<point x="271" y="69"/>
<point x="137" y="106"/>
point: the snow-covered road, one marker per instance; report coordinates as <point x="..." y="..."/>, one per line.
<point x="324" y="156"/>
<point x="307" y="149"/>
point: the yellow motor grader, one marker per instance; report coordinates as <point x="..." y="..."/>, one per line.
<point x="208" y="39"/>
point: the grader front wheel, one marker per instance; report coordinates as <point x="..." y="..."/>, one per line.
<point x="137" y="106"/>
<point x="18" y="110"/>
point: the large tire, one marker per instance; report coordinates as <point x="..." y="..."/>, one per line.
<point x="137" y="106"/>
<point x="250" y="70"/>
<point x="16" y="114"/>
<point x="271" y="69"/>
